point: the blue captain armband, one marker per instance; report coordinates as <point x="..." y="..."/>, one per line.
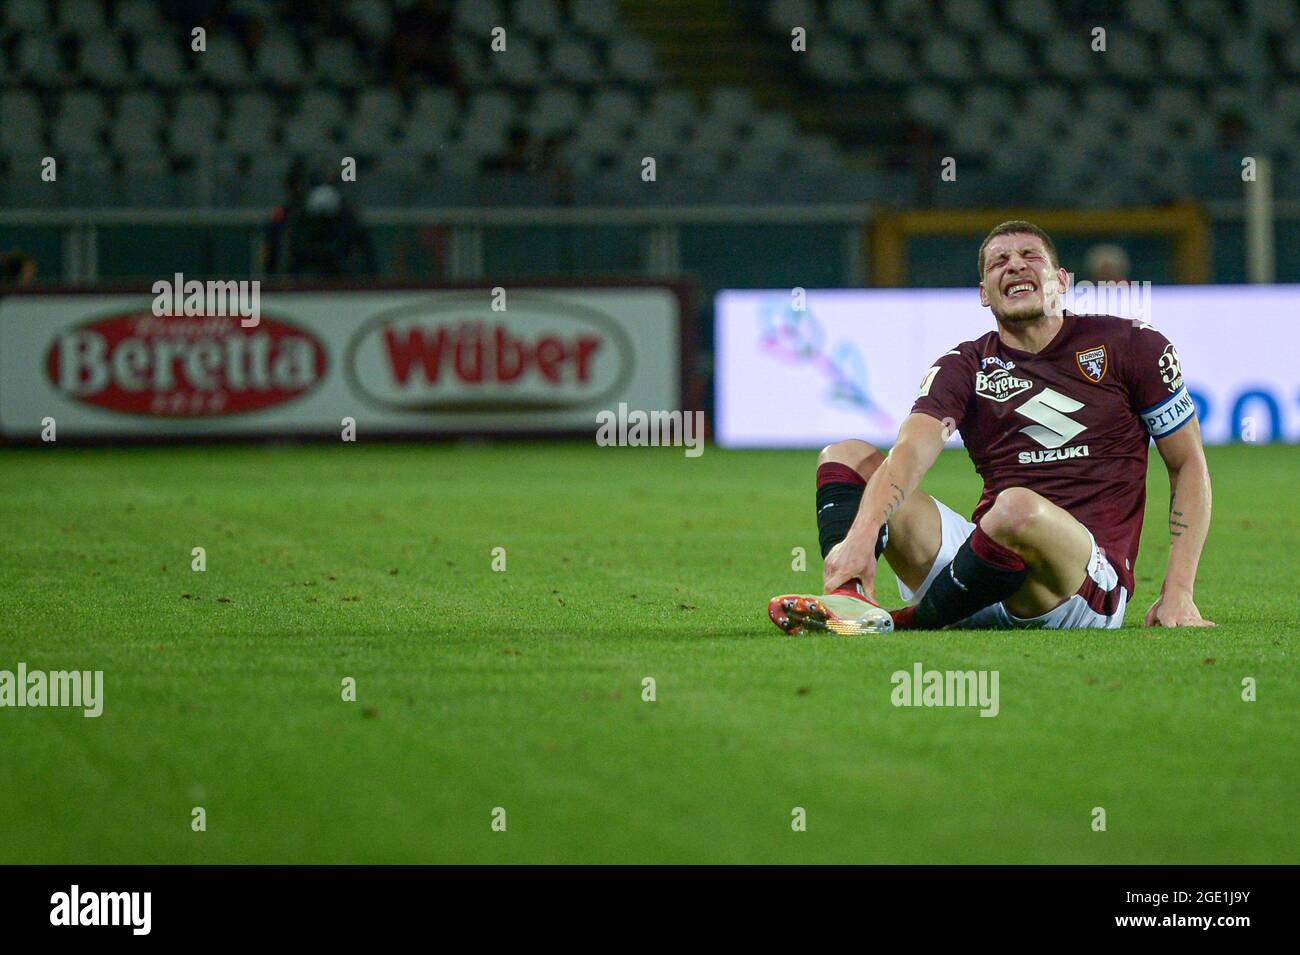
<point x="1168" y="416"/>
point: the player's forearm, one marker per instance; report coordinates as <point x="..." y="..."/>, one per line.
<point x="920" y="440"/>
<point x="1189" y="523"/>
<point x="889" y="486"/>
<point x="884" y="495"/>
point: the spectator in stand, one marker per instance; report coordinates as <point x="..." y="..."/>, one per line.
<point x="523" y="153"/>
<point x="324" y="236"/>
<point x="1107" y="262"/>
<point x="518" y="155"/>
<point x="275" y="259"/>
<point x="1218" y="168"/>
<point x="421" y="47"/>
<point x="17" y="270"/>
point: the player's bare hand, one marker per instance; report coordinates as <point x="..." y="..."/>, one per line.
<point x="1175" y="610"/>
<point x="848" y="560"/>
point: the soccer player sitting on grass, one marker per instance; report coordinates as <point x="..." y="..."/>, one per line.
<point x="1055" y="410"/>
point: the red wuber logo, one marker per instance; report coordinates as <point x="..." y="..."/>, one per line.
<point x="184" y="366"/>
<point x="538" y="355"/>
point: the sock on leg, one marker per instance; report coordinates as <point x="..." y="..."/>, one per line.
<point x="839" y="493"/>
<point x="983" y="573"/>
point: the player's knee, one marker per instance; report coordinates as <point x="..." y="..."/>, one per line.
<point x="857" y="454"/>
<point x="1015" y="514"/>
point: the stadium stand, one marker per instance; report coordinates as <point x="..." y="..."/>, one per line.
<point x="586" y="89"/>
<point x="1177" y="88"/>
<point x="117" y="84"/>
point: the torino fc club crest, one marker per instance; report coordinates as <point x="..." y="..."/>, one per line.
<point x="1092" y="362"/>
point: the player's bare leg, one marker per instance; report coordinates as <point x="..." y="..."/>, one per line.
<point x="1055" y="547"/>
<point x="1026" y="553"/>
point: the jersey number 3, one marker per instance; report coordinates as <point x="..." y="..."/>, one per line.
<point x="1049" y="410"/>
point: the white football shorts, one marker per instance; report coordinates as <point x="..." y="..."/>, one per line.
<point x="1099" y="604"/>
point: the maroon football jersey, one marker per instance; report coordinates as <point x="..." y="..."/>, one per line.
<point x="1070" y="422"/>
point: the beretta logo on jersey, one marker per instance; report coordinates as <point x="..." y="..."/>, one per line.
<point x="1000" y="385"/>
<point x="183" y="365"/>
<point x="454" y="353"/>
<point x="1093" y="363"/>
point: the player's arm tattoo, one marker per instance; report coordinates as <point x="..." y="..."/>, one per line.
<point x="895" y="501"/>
<point x="1176" y="525"/>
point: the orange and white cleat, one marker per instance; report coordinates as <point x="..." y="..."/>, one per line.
<point x="846" y="612"/>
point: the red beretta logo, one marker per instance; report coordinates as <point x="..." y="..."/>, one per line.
<point x="184" y="366"/>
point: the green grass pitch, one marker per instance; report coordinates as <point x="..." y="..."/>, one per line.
<point x="522" y="689"/>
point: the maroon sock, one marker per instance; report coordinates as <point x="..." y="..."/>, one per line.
<point x="903" y="618"/>
<point x="991" y="552"/>
<point x="834" y="471"/>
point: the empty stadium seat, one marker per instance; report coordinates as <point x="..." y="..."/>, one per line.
<point x="631" y="59"/>
<point x="22" y="118"/>
<point x="595" y="17"/>
<point x="573" y="61"/>
<point x="479" y="18"/>
<point x="373" y="19"/>
<point x="26" y="16"/>
<point x="138" y="18"/>
<point x="81" y="17"/>
<point x="851" y="17"/>
<point x="279" y="61"/>
<point x="102" y="59"/>
<point x="948" y="57"/>
<point x="555" y="109"/>
<point x="38" y="60"/>
<point x="434" y="105"/>
<point x="158" y="61"/>
<point x="1186" y="56"/>
<point x="831" y="60"/>
<point x="137" y="124"/>
<point x="539" y="18"/>
<point x="1005" y="56"/>
<point x="335" y="62"/>
<point x="785" y="15"/>
<point x="80" y="122"/>
<point x="888" y="59"/>
<point x="223" y="62"/>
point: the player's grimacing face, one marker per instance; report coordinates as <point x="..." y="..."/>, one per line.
<point x="1020" y="282"/>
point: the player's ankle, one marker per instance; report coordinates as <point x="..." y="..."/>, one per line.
<point x="904" y="618"/>
<point x="852" y="587"/>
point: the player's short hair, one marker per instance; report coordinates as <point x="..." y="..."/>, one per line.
<point x="1019" y="225"/>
